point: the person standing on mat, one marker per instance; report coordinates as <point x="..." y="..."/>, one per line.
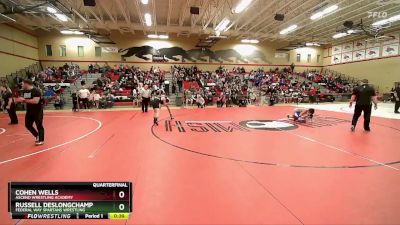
<point x="9" y="104"/>
<point x="32" y="96"/>
<point x="397" y="98"/>
<point x="363" y="95"/>
<point x="146" y="94"/>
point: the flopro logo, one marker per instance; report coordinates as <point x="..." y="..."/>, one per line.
<point x="273" y="125"/>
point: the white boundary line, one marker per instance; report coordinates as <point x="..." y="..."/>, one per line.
<point x="339" y="149"/>
<point x="2" y="130"/>
<point x="59" y="145"/>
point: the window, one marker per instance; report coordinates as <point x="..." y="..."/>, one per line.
<point x="80" y="51"/>
<point x="49" y="50"/>
<point x="97" y="51"/>
<point x="318" y="58"/>
<point x="309" y="58"/>
<point x="298" y="58"/>
<point x="63" y="50"/>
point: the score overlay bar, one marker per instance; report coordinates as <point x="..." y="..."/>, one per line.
<point x="70" y="200"/>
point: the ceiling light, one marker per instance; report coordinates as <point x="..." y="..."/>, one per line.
<point x="322" y="13"/>
<point x="242" y="6"/>
<point x="51" y="10"/>
<point x="147" y="19"/>
<point x="316" y="15"/>
<point x="145" y="2"/>
<point x="71" y="32"/>
<point x="330" y="9"/>
<point x="61" y="17"/>
<point x="222" y="25"/>
<point x="252" y="41"/>
<point x="386" y="21"/>
<point x="312" y="44"/>
<point x="289" y="29"/>
<point x="161" y="36"/>
<point x="339" y="35"/>
<point x="152" y="36"/>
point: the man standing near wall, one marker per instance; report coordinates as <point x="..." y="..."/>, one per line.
<point x="32" y="96"/>
<point x="363" y="95"/>
<point x="397" y="98"/>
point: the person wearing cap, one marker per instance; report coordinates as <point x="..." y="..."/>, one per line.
<point x="33" y="98"/>
<point x="363" y="95"/>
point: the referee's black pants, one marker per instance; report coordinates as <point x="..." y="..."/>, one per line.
<point x="367" y="115"/>
<point x="37" y="118"/>
<point x="145" y="104"/>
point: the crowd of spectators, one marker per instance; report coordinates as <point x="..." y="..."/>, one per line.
<point x="223" y="87"/>
<point x="236" y="86"/>
<point x="334" y="83"/>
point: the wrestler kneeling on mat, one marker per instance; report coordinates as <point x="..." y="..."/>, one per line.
<point x="301" y="115"/>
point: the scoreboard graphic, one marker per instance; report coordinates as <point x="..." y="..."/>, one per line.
<point x="70" y="200"/>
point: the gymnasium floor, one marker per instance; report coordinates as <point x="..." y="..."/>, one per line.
<point x="218" y="166"/>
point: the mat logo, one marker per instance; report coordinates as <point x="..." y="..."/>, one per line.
<point x="203" y="126"/>
<point x="274" y="125"/>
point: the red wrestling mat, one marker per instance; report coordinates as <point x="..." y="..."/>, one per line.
<point x="217" y="166"/>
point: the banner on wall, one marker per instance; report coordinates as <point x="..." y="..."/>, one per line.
<point x="358" y="55"/>
<point x="336" y="49"/>
<point x="372" y="53"/>
<point x="109" y="49"/>
<point x="348" y="47"/>
<point x="335" y="59"/>
<point x="359" y="45"/>
<point x="347" y="57"/>
<point x="392" y="49"/>
<point x="395" y="38"/>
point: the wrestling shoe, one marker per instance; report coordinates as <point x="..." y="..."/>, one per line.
<point x="39" y="143"/>
<point x="353" y="128"/>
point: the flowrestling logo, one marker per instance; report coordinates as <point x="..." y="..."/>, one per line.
<point x="246" y="125"/>
<point x="227" y="126"/>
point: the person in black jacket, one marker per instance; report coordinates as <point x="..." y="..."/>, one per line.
<point x="363" y="95"/>
<point x="397" y="98"/>
<point x="9" y="104"/>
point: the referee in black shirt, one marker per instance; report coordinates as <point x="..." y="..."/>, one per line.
<point x="363" y="95"/>
<point x="32" y="96"/>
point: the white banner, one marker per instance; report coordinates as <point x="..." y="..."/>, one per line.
<point x="389" y="50"/>
<point x="336" y="49"/>
<point x="347" y="57"/>
<point x="359" y="45"/>
<point x="335" y="59"/>
<point x="109" y="49"/>
<point x="372" y="53"/>
<point x="359" y="55"/>
<point x="348" y="47"/>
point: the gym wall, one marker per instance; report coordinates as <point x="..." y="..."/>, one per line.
<point x="127" y="41"/>
<point x="18" y="49"/>
<point x="382" y="72"/>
